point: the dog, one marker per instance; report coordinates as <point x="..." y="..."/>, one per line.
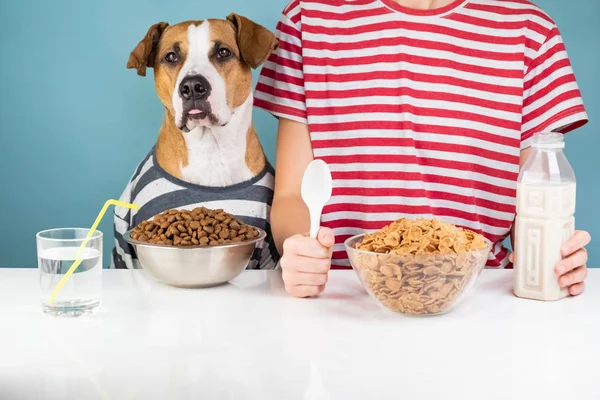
<point x="208" y="153"/>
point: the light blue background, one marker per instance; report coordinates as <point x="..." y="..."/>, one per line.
<point x="74" y="122"/>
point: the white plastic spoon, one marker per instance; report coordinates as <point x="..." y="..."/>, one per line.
<point x="316" y="192"/>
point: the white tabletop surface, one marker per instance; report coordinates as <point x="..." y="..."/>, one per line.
<point x="248" y="340"/>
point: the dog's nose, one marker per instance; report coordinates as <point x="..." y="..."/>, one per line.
<point x="194" y="86"/>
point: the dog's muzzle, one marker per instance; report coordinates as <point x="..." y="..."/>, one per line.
<point x="194" y="91"/>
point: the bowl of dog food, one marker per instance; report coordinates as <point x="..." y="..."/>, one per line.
<point x="194" y="248"/>
<point x="418" y="267"/>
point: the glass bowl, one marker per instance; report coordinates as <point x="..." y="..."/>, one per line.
<point x="423" y="284"/>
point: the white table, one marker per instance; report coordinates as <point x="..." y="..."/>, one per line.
<point x="248" y="340"/>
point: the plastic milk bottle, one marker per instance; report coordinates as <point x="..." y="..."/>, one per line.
<point x="545" y="208"/>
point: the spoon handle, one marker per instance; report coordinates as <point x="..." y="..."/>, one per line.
<point x="315" y="223"/>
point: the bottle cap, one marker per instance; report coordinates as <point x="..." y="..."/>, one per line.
<point x="548" y="140"/>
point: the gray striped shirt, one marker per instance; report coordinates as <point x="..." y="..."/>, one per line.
<point x="155" y="191"/>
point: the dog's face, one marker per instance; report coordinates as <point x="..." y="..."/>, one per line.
<point x="202" y="69"/>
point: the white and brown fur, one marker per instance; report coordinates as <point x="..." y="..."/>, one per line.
<point x="212" y="143"/>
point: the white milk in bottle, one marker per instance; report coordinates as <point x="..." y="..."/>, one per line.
<point x="545" y="208"/>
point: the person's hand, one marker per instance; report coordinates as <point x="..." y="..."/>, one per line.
<point x="572" y="269"/>
<point x="306" y="262"/>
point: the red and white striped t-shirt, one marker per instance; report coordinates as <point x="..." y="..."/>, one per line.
<point x="421" y="113"/>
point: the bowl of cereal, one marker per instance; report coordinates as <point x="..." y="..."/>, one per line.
<point x="194" y="249"/>
<point x="422" y="267"/>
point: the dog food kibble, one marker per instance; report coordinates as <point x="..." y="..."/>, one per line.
<point x="199" y="227"/>
<point x="421" y="266"/>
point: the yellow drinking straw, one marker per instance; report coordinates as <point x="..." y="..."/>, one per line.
<point x="78" y="261"/>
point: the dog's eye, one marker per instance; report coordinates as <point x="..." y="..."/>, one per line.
<point x="171" y="57"/>
<point x="223" y="53"/>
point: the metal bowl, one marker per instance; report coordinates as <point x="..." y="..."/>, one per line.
<point x="195" y="266"/>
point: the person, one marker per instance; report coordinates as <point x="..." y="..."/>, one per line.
<point x="421" y="108"/>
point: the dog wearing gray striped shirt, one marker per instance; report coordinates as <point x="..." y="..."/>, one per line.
<point x="208" y="153"/>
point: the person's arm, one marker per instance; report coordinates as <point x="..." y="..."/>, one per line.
<point x="552" y="103"/>
<point x="289" y="214"/>
<point x="305" y="262"/>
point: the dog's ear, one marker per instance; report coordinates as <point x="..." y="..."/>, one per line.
<point x="143" y="55"/>
<point x="256" y="43"/>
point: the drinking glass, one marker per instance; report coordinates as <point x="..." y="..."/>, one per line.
<point x="57" y="250"/>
